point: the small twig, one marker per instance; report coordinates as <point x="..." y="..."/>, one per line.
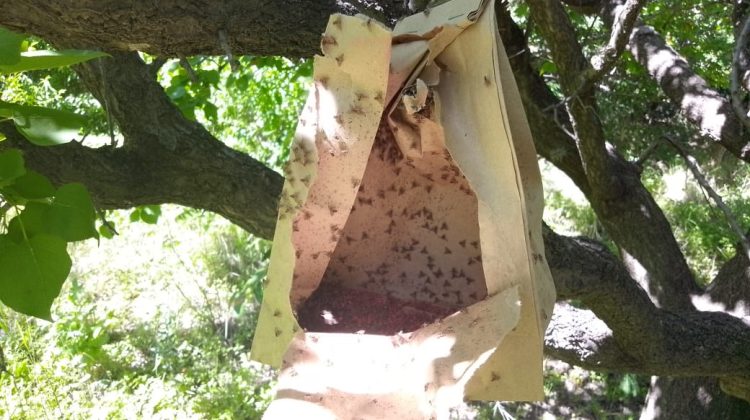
<point x="83" y="137"/>
<point x="189" y="69"/>
<point x="561" y="125"/>
<point x="106" y="222"/>
<point x="587" y="35"/>
<point x="738" y="73"/>
<point x="517" y="53"/>
<point x="694" y="168"/>
<point x="647" y="154"/>
<point x="563" y="102"/>
<point x="224" y="44"/>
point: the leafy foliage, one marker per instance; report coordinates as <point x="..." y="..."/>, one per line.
<point x="32" y="273"/>
<point x="148" y="214"/>
<point x="37" y="219"/>
<point x="171" y="341"/>
<point x="41" y="126"/>
<point x="38" y="60"/>
<point x="703" y="41"/>
<point x="10" y="47"/>
<point x="259" y="104"/>
<point x="34" y="261"/>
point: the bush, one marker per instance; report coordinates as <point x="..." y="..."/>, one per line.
<point x="154" y="328"/>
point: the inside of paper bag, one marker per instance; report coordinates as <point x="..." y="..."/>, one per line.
<point x="409" y="252"/>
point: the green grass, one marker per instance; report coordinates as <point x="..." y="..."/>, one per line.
<point x="156" y="323"/>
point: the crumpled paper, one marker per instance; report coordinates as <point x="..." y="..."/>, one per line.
<point x="407" y="270"/>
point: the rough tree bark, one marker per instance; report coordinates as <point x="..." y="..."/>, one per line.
<point x="641" y="315"/>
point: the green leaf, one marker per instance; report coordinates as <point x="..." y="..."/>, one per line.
<point x="548" y="67"/>
<point x="10" y="47"/>
<point x="30" y="222"/>
<point x="150" y="214"/>
<point x="33" y="186"/>
<point x="11" y="166"/>
<point x="106" y="231"/>
<point x="210" y="111"/>
<point x="38" y="60"/>
<point x="43" y="126"/>
<point x="72" y="214"/>
<point x="629" y="386"/>
<point x="211" y="77"/>
<point x="135" y="215"/>
<point x="32" y="273"/>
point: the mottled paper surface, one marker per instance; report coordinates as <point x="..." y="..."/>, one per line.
<point x="409" y="234"/>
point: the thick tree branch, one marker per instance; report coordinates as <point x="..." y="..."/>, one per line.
<point x="633" y="219"/>
<point x="166" y="158"/>
<point x="556" y="28"/>
<point x="550" y="139"/>
<point x="730" y="290"/>
<point x="622" y="27"/>
<point x="578" y="337"/>
<point x="174" y="27"/>
<point x="740" y="76"/>
<point x="702" y="105"/>
<point x="214" y="178"/>
<point x="643" y="338"/>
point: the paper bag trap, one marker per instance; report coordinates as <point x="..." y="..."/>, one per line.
<point x="408" y="270"/>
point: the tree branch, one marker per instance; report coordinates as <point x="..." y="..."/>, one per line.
<point x="622" y="27"/>
<point x="166" y="158"/>
<point x="629" y="213"/>
<point x="215" y="178"/>
<point x="578" y="337"/>
<point x="585" y="6"/>
<point x="557" y="30"/>
<point x="603" y="62"/>
<point x="739" y="75"/>
<point x="549" y="138"/>
<point x="638" y="337"/>
<point x="173" y="27"/>
<point x="703" y="106"/>
<point x="693" y="166"/>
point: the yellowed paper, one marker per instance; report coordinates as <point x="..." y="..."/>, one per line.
<point x="407" y="271"/>
<point x="334" y="136"/>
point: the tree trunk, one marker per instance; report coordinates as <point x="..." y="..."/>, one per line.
<point x="702" y="397"/>
<point x="692" y="398"/>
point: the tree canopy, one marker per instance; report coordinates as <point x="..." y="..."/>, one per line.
<point x="616" y="92"/>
